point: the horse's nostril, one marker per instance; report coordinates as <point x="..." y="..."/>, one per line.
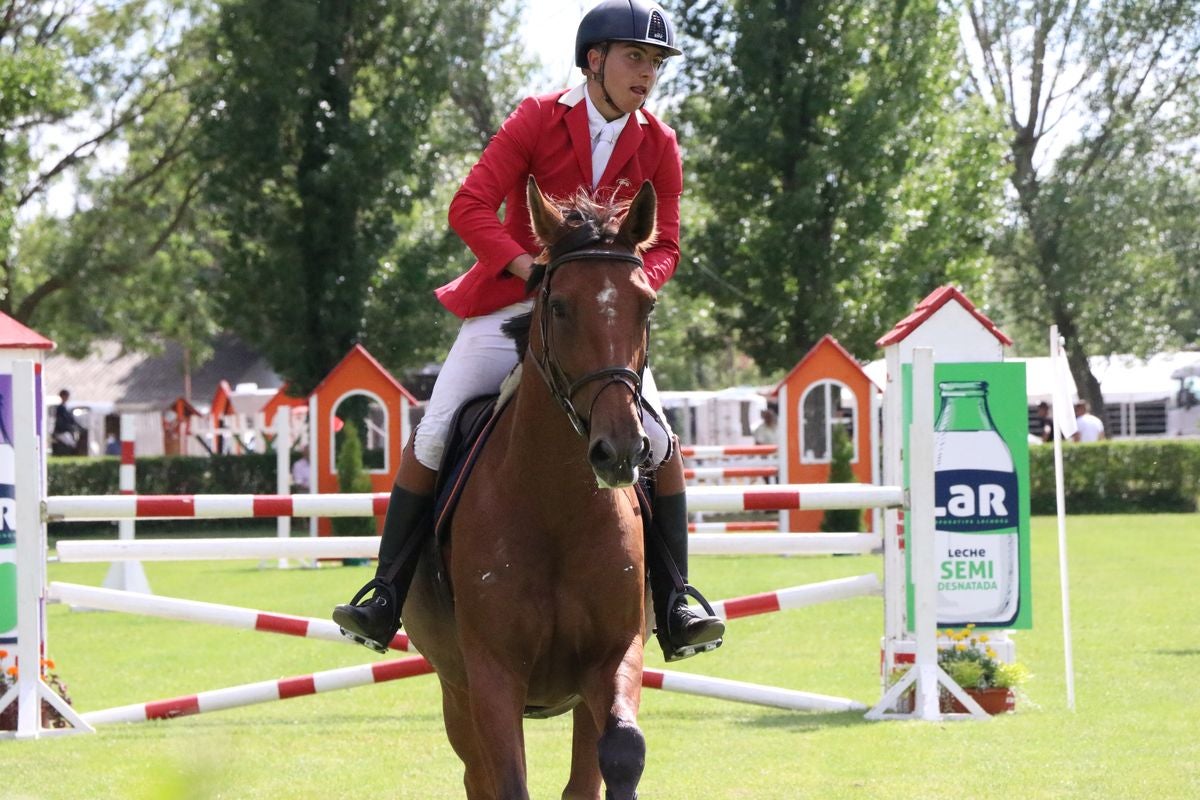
<point x="644" y="451"/>
<point x="602" y="454"/>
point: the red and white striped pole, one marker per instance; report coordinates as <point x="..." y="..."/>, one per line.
<point x="127" y="575"/>
<point x="209" y="613"/>
<point x="264" y="691"/>
<point x="724" y="451"/>
<point x="816" y="496"/>
<point x="724" y="473"/>
<point x="798" y="596"/>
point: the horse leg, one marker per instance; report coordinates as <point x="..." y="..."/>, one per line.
<point x="613" y="696"/>
<point x="497" y="701"/>
<point x="460" y="730"/>
<point x="584" y="783"/>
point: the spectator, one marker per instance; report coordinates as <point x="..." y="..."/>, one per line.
<point x="301" y="473"/>
<point x="1090" y="428"/>
<point x="1043" y="423"/>
<point x="766" y="432"/>
<point x="65" y="440"/>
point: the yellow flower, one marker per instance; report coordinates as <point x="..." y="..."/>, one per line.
<point x="983" y="637"/>
<point x="960" y="647"/>
<point x="991" y="653"/>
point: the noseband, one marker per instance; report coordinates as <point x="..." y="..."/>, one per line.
<point x="584" y="243"/>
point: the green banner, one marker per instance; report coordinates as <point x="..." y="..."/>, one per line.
<point x="981" y="494"/>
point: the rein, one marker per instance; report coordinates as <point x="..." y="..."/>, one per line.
<point x="581" y="245"/>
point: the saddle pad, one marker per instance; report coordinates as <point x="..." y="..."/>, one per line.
<point x="473" y="422"/>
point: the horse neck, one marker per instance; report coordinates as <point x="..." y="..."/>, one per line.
<point x="540" y="435"/>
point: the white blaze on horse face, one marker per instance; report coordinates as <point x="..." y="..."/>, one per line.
<point x="607" y="299"/>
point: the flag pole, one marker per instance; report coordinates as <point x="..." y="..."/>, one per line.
<point x="1062" y="412"/>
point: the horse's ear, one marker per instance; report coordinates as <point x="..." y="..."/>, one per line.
<point x="641" y="219"/>
<point x="544" y="217"/>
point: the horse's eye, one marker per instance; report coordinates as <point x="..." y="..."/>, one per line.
<point x="558" y="309"/>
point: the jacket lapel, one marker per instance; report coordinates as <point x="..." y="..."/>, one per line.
<point x="581" y="137"/>
<point x="627" y="144"/>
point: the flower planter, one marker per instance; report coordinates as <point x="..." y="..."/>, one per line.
<point x="993" y="701"/>
<point x="50" y="717"/>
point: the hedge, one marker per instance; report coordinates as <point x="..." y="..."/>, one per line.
<point x="220" y="474"/>
<point x="1117" y="477"/>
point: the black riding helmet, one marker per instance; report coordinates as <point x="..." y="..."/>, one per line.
<point x="624" y="21"/>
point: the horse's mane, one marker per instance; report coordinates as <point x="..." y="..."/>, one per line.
<point x="578" y="210"/>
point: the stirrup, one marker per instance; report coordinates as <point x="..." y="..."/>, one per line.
<point x="380" y="587"/>
<point x="678" y="652"/>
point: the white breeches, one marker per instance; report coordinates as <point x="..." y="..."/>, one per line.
<point x="478" y="362"/>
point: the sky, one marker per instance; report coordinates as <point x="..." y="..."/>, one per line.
<point x="549" y="32"/>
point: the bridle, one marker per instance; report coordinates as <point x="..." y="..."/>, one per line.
<point x="587" y="242"/>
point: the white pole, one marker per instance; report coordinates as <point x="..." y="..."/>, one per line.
<point x="127" y="575"/>
<point x="894" y="627"/>
<point x="921" y="539"/>
<point x="1056" y="344"/>
<point x="283" y="470"/>
<point x="31" y="564"/>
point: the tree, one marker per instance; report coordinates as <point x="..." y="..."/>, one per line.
<point x="405" y="326"/>
<point x="315" y="137"/>
<point x="842" y="170"/>
<point x="352" y="480"/>
<point x="92" y="104"/>
<point x="1099" y="241"/>
<point x="844" y="520"/>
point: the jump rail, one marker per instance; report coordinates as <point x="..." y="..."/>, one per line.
<point x="307" y="627"/>
<point x="722" y="451"/>
<point x="815" y="496"/>
<point x="349" y="677"/>
<point x="309" y="547"/>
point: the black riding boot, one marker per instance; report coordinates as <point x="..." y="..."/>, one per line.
<point x="375" y="622"/>
<point x="682" y="630"/>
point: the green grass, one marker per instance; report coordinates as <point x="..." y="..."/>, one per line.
<point x="1135" y="733"/>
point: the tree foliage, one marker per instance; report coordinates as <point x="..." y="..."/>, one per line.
<point x="1100" y="100"/>
<point x="842" y="171"/>
<point x="842" y="520"/>
<point x="315" y="136"/>
<point x="406" y="327"/>
<point x="96" y="185"/>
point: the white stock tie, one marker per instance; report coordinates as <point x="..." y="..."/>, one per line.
<point x="602" y="148"/>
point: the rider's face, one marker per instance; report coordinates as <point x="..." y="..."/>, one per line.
<point x="630" y="71"/>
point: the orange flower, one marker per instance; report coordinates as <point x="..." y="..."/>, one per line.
<point x="48" y="663"/>
<point x="12" y="670"/>
<point x="3" y="654"/>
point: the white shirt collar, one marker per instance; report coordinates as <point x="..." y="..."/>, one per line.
<point x="597" y="122"/>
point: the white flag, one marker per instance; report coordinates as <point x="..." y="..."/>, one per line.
<point x="1064" y="387"/>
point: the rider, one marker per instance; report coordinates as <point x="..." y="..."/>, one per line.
<point x="596" y="136"/>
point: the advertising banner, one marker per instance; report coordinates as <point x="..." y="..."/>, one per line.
<point x="981" y="494"/>
<point x="8" y="513"/>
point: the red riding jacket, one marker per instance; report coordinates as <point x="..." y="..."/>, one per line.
<point x="548" y="137"/>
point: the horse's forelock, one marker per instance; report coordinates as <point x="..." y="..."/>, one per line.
<point x="582" y="209"/>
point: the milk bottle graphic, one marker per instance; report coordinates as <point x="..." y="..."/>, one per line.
<point x="8" y="535"/>
<point x="976" y="512"/>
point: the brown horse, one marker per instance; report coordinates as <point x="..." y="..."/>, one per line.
<point x="536" y="606"/>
